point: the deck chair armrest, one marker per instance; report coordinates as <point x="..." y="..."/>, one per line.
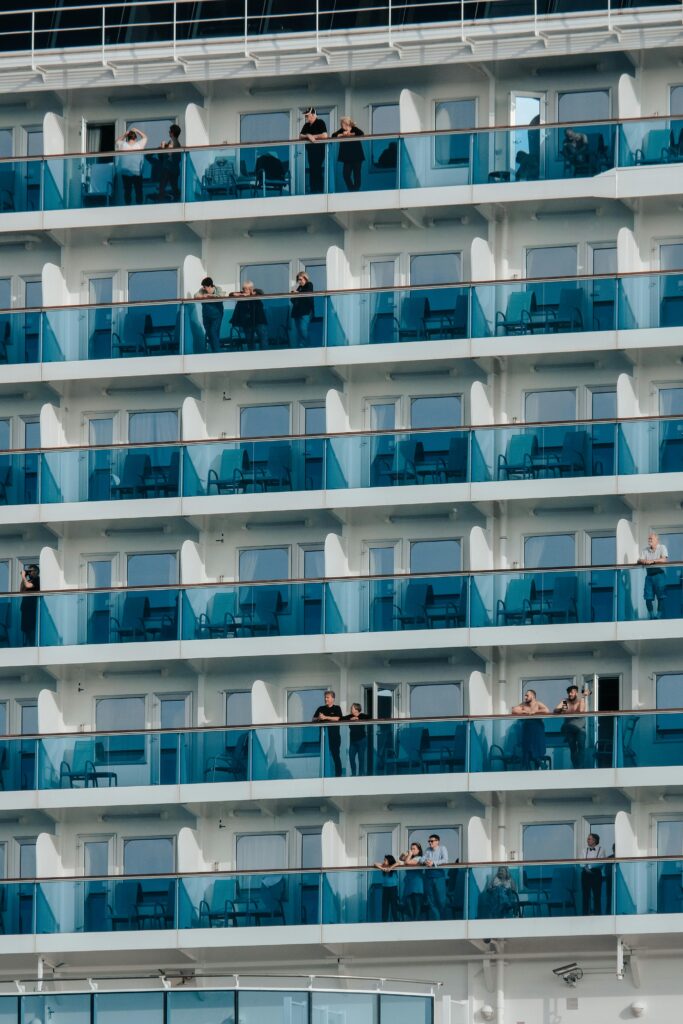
<point x="203" y="911"/>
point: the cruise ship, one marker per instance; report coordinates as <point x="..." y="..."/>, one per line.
<point x="299" y="426"/>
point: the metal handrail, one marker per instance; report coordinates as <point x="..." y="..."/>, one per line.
<point x="190" y="730"/>
<point x="298" y="140"/>
<point x="363" y="578"/>
<point x="328" y="436"/>
<point x="333" y="292"/>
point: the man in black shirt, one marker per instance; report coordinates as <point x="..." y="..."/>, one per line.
<point x="358" y="740"/>
<point x="314" y="130"/>
<point x="331" y="712"/>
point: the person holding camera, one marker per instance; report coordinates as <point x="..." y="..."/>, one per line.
<point x="574" y="729"/>
<point x="30" y="585"/>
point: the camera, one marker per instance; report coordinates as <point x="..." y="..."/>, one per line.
<point x="570" y="973"/>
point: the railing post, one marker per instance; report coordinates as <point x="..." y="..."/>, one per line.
<point x="317" y="26"/>
<point x="33" y="40"/>
<point x="175" y="21"/>
<point x="389" y="12"/>
<point x="246" y="28"/>
<point x="104" y="33"/>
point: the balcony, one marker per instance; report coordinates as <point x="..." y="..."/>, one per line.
<point x="555" y="451"/>
<point x="395" y="604"/>
<point x="299" y="999"/>
<point x="648" y="739"/>
<point x="348" y="896"/>
<point x="277" y="169"/>
<point x="504" y="310"/>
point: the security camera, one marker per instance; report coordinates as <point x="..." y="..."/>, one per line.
<point x="570" y="973"/>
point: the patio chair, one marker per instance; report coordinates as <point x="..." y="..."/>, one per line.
<point x="412" y="613"/>
<point x="517" y="318"/>
<point x="233" y="763"/>
<point x="453" y="468"/>
<point x="98" y="185"/>
<point x="518" y="461"/>
<point x="219" y="910"/>
<point x="134" y="478"/>
<point x="220" y="619"/>
<point x="516" y="608"/>
<point x="232" y="476"/>
<point x="655" y="149"/>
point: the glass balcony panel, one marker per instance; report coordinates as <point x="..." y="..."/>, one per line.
<point x="102" y="617"/>
<point x="8" y="1009"/>
<point x="540" y="743"/>
<point x="536" y="890"/>
<point x="360" y="1007"/>
<point x="275" y="1007"/>
<point x="405" y="1009"/>
<point x="649" y="740"/>
<point x="19" y="479"/>
<point x="246" y="900"/>
<point x="20" y="185"/>
<point x="294" y="752"/>
<point x="204" y="1005"/>
<point x="56" y="1008"/>
<point x="248" y="467"/>
<point x="110" y="474"/>
<point x="110" y="1007"/>
<point x="644" y="143"/>
<point x="17" y="908"/>
<point x="357" y="897"/>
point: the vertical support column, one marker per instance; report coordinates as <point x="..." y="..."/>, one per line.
<point x="192" y="568"/>
<point x="190" y="853"/>
<point x="54" y="135"/>
<point x="50" y="717"/>
<point x="265" y="703"/>
<point x="337" y="420"/>
<point x="52" y="433"/>
<point x="193" y="423"/>
<point x="51" y="573"/>
<point x="196" y="125"/>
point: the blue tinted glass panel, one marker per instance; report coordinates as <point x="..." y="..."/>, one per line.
<point x="8" y="1009"/>
<point x="604" y="550"/>
<point x="200" y="1007"/>
<point x="345" y="1007"/>
<point x="549" y="551"/>
<point x="4" y="435"/>
<point x="671" y="401"/>
<point x="435" y="556"/>
<point x="29" y="719"/>
<point x="592" y="105"/>
<point x="671" y="256"/>
<point x="670" y="690"/>
<point x="271" y="278"/>
<point x="314" y="563"/>
<point x="264" y="564"/>
<point x="302" y="703"/>
<point x="604" y="405"/>
<point x="27" y="859"/>
<point x="670" y="838"/>
<point x="382" y="560"/>
<point x="435" y="268"/>
<point x="315" y="419"/>
<point x="434" y="700"/>
<point x="142" y="1007"/>
<point x="264" y="420"/>
<point x="551" y="261"/>
<point x="4" y="577"/>
<point x="5" y="293"/>
<point x="548" y="841"/>
<point x="149" y="285"/>
<point x="6" y="142"/>
<point x="549" y="406"/>
<point x="148" y="856"/>
<point x="266" y="851"/>
<point x="274" y="1007"/>
<point x="405" y="1010"/>
<point x="265" y="127"/>
<point x="436" y="411"/>
<point x="677" y="99"/>
<point x="238" y="707"/>
<point x="114" y="713"/>
<point x="152" y="570"/>
<point x="56" y="1009"/>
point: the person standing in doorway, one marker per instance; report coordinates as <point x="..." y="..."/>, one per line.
<point x="358" y="739"/>
<point x="314" y="130"/>
<point x="170" y="166"/>
<point x="302" y="309"/>
<point x="653" y="557"/>
<point x="130" y="163"/>
<point x="574" y="729"/>
<point x="30" y="586"/>
<point x="591" y="876"/>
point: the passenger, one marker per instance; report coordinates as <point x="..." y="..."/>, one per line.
<point x="501" y="895"/>
<point x="212" y="312"/>
<point x="351" y="153"/>
<point x="314" y="130"/>
<point x="302" y="309"/>
<point x="130" y="164"/>
<point x="533" y="732"/>
<point x="435" y="858"/>
<point x="388" y="158"/>
<point x="591" y="876"/>
<point x="249" y="318"/>
<point x="331" y="712"/>
<point x="574" y="729"/>
<point x="413" y="882"/>
<point x="389" y="887"/>
<point x="30" y="585"/>
<point x="170" y="166"/>
<point x="358" y="739"/>
<point x="654" y="556"/>
<point x="575" y="150"/>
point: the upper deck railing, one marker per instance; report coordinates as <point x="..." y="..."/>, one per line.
<point x="177" y="23"/>
<point x="285" y="168"/>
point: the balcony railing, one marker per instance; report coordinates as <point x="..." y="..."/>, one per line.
<point x="497" y="598"/>
<point x="499" y="309"/>
<point x="133" y="22"/>
<point x="370" y="749"/>
<point x="266" y="170"/>
<point x="210" y="1004"/>
<point x="342" y="896"/>
<point x="552" y="451"/>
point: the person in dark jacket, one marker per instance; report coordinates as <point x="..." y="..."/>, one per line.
<point x="351" y="153"/>
<point x="302" y="309"/>
<point x="249" y="319"/>
<point x="314" y="130"/>
<point x="169" y="176"/>
<point x="30" y="585"/>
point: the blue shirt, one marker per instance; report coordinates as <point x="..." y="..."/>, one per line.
<point x="438" y="856"/>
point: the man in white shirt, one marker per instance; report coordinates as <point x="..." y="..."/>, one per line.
<point x="130" y="163"/>
<point x="591" y="876"/>
<point x="653" y="556"/>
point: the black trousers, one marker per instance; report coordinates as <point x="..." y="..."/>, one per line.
<point x="351" y="175"/>
<point x="591" y="890"/>
<point x="335" y="747"/>
<point x="316" y="173"/>
<point x="130" y="182"/>
<point x="390" y="903"/>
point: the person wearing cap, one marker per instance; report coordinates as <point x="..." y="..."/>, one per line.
<point x="130" y="163"/>
<point x="212" y="312"/>
<point x="314" y="130"/>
